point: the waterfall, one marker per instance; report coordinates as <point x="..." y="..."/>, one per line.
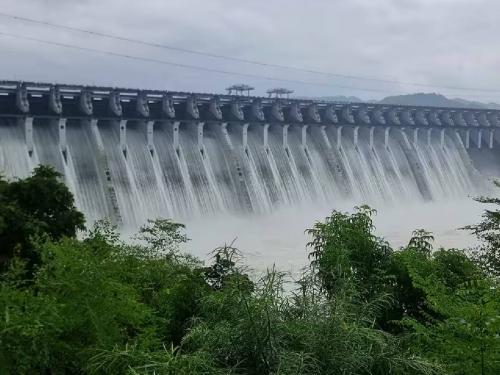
<point x="116" y="173"/>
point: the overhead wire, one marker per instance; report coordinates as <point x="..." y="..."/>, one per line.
<point x="241" y="60"/>
<point x="188" y="66"/>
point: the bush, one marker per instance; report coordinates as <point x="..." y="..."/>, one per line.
<point x="96" y="305"/>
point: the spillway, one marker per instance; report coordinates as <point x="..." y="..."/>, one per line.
<point x="129" y="168"/>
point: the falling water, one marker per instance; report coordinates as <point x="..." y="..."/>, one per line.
<point x="203" y="176"/>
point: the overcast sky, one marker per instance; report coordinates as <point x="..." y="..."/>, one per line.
<point x="437" y="42"/>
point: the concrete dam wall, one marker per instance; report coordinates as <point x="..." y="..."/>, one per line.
<point x="129" y="155"/>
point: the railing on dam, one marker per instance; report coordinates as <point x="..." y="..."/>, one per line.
<point x="29" y="100"/>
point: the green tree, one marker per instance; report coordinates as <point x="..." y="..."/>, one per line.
<point x="35" y="207"/>
<point x="466" y="340"/>
<point x="92" y="297"/>
<point x="488" y="231"/>
<point x="344" y="249"/>
<point x="450" y="267"/>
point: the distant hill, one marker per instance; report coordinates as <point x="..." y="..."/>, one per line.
<point x="423" y="99"/>
<point x="435" y="100"/>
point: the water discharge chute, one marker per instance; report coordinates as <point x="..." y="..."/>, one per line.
<point x="132" y="155"/>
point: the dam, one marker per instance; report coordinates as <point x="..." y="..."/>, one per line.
<point x="130" y="154"/>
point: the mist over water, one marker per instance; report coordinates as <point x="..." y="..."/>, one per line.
<point x="279" y="238"/>
<point x="227" y="181"/>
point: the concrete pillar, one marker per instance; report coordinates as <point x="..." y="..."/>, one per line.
<point x="458" y="136"/>
<point x="355" y="136"/>
<point x="304" y="136"/>
<point x="325" y="136"/>
<point x="93" y="126"/>
<point x="467" y="138"/>
<point x="479" y="138"/>
<point x="386" y="137"/>
<point x="339" y="138"/>
<point x="415" y="136"/>
<point x="372" y="131"/>
<point x="442" y="138"/>
<point x="92" y="123"/>
<point x="175" y="135"/>
<point x="244" y="136"/>
<point x="104" y="170"/>
<point x="28" y="132"/>
<point x="285" y="136"/>
<point x="63" y="145"/>
<point x="265" y="137"/>
<point x="429" y="133"/>
<point x="201" y="146"/>
<point x="491" y="136"/>
<point x="223" y="127"/>
<point x="150" y="136"/>
<point x="405" y="137"/>
<point x="123" y="136"/>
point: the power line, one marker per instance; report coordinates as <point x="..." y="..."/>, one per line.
<point x="187" y="66"/>
<point x="203" y="68"/>
<point x="237" y="59"/>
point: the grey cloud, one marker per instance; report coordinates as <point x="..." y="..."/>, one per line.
<point x="442" y="42"/>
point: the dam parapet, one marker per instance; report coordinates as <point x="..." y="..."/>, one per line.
<point x="20" y="99"/>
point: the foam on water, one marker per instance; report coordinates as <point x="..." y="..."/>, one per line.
<point x="279" y="237"/>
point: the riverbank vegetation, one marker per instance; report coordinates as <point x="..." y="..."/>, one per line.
<point x="96" y="305"/>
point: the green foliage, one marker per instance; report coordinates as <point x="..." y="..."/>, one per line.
<point x="467" y="339"/>
<point x="451" y="266"/>
<point x="440" y="302"/>
<point x="37" y="206"/>
<point x="132" y="360"/>
<point x="421" y="241"/>
<point x="345" y="251"/>
<point x="456" y="315"/>
<point x="97" y="305"/>
<point x="272" y="332"/>
<point x="91" y="296"/>
<point x="488" y="231"/>
<point x="226" y="270"/>
<point x="163" y="235"/>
